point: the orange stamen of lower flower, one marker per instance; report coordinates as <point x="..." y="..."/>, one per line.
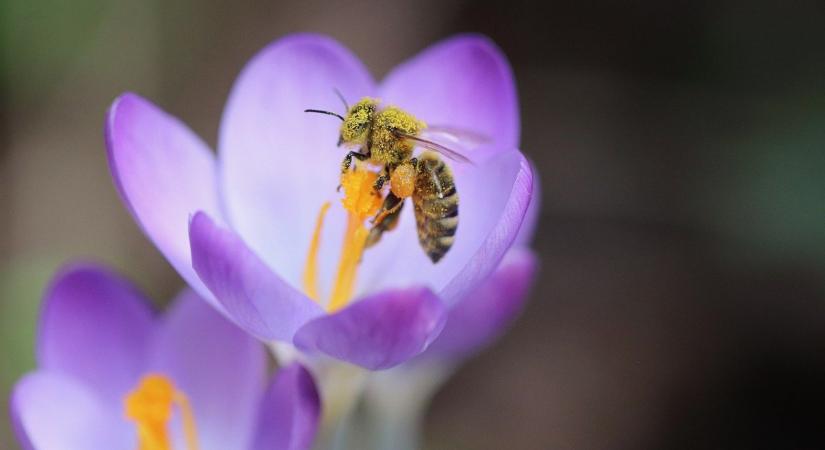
<point x="150" y="406"/>
<point x="361" y="201"/>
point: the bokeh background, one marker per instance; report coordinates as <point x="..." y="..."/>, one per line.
<point x="681" y="146"/>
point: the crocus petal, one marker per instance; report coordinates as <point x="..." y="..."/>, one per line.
<point x="95" y="327"/>
<point x="494" y="197"/>
<point x="278" y="163"/>
<point x="379" y="331"/>
<point x="50" y="411"/>
<point x="289" y="411"/>
<point x="164" y="173"/>
<point x="462" y="82"/>
<point x="486" y="311"/>
<point x="531" y="217"/>
<point x="254" y="297"/>
<point x="219" y="367"/>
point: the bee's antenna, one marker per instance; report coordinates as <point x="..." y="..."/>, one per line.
<point x="318" y="111"/>
<point x="343" y="100"/>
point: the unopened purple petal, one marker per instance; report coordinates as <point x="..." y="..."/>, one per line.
<point x="379" y="331"/>
<point x="219" y="367"/>
<point x="254" y="297"/>
<point x="289" y="411"/>
<point x="50" y="411"/>
<point x="164" y="173"/>
<point x="278" y="163"/>
<point x="463" y="82"/>
<point x="484" y="314"/>
<point x="95" y="327"/>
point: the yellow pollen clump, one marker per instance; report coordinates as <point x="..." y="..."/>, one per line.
<point x="150" y="406"/>
<point x="361" y="201"/>
<point x="402" y="181"/>
<point x="360" y="198"/>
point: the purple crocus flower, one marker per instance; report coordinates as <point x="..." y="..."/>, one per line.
<point x="239" y="228"/>
<point x="113" y="376"/>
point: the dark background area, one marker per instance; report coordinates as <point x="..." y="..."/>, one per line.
<point x="681" y="149"/>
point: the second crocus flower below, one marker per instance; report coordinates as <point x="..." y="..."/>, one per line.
<point x="113" y="376"/>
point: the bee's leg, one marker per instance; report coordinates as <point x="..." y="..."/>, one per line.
<point x="385" y="220"/>
<point x="347" y="163"/>
<point x="391" y="205"/>
<point x="383" y="177"/>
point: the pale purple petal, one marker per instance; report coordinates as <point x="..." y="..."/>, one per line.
<point x="50" y="411"/>
<point x="278" y="163"/>
<point x="164" y="173"/>
<point x="289" y="412"/>
<point x="95" y="327"/>
<point x="531" y="218"/>
<point x="463" y="82"/>
<point x="484" y="314"/>
<point x="219" y="367"/>
<point x="377" y="332"/>
<point x="481" y="196"/>
<point x="494" y="197"/>
<point x="254" y="297"/>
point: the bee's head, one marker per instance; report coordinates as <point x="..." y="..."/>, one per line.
<point x="357" y="123"/>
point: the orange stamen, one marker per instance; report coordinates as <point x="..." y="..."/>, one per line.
<point x="354" y="239"/>
<point x="150" y="406"/>
<point x="311" y="267"/>
<point x="361" y="201"/>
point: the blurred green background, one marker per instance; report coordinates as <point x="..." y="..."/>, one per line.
<point x="681" y="146"/>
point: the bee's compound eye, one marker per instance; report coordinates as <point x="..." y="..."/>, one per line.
<point x="402" y="181"/>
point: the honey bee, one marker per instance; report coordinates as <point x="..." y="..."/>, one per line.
<point x="386" y="137"/>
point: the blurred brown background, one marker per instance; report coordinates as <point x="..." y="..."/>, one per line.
<point x="681" y="147"/>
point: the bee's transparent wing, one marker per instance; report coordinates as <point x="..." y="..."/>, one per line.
<point x="461" y="136"/>
<point x="436" y="147"/>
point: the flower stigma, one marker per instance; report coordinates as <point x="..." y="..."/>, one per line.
<point x="361" y="201"/>
<point x="150" y="407"/>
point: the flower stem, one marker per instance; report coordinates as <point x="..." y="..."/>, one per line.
<point x="396" y="402"/>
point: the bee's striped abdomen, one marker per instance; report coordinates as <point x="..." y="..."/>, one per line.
<point x="436" y="206"/>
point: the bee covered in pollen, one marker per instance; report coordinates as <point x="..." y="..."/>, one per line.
<point x="386" y="137"/>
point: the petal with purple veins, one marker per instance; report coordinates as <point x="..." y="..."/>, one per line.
<point x="379" y="331"/>
<point x="50" y="411"/>
<point x="95" y="327"/>
<point x="494" y="197"/>
<point x="484" y="313"/>
<point x="218" y="366"/>
<point x="289" y="411"/>
<point x="495" y="202"/>
<point x="164" y="173"/>
<point x="531" y="218"/>
<point x="253" y="296"/>
<point x="278" y="163"/>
